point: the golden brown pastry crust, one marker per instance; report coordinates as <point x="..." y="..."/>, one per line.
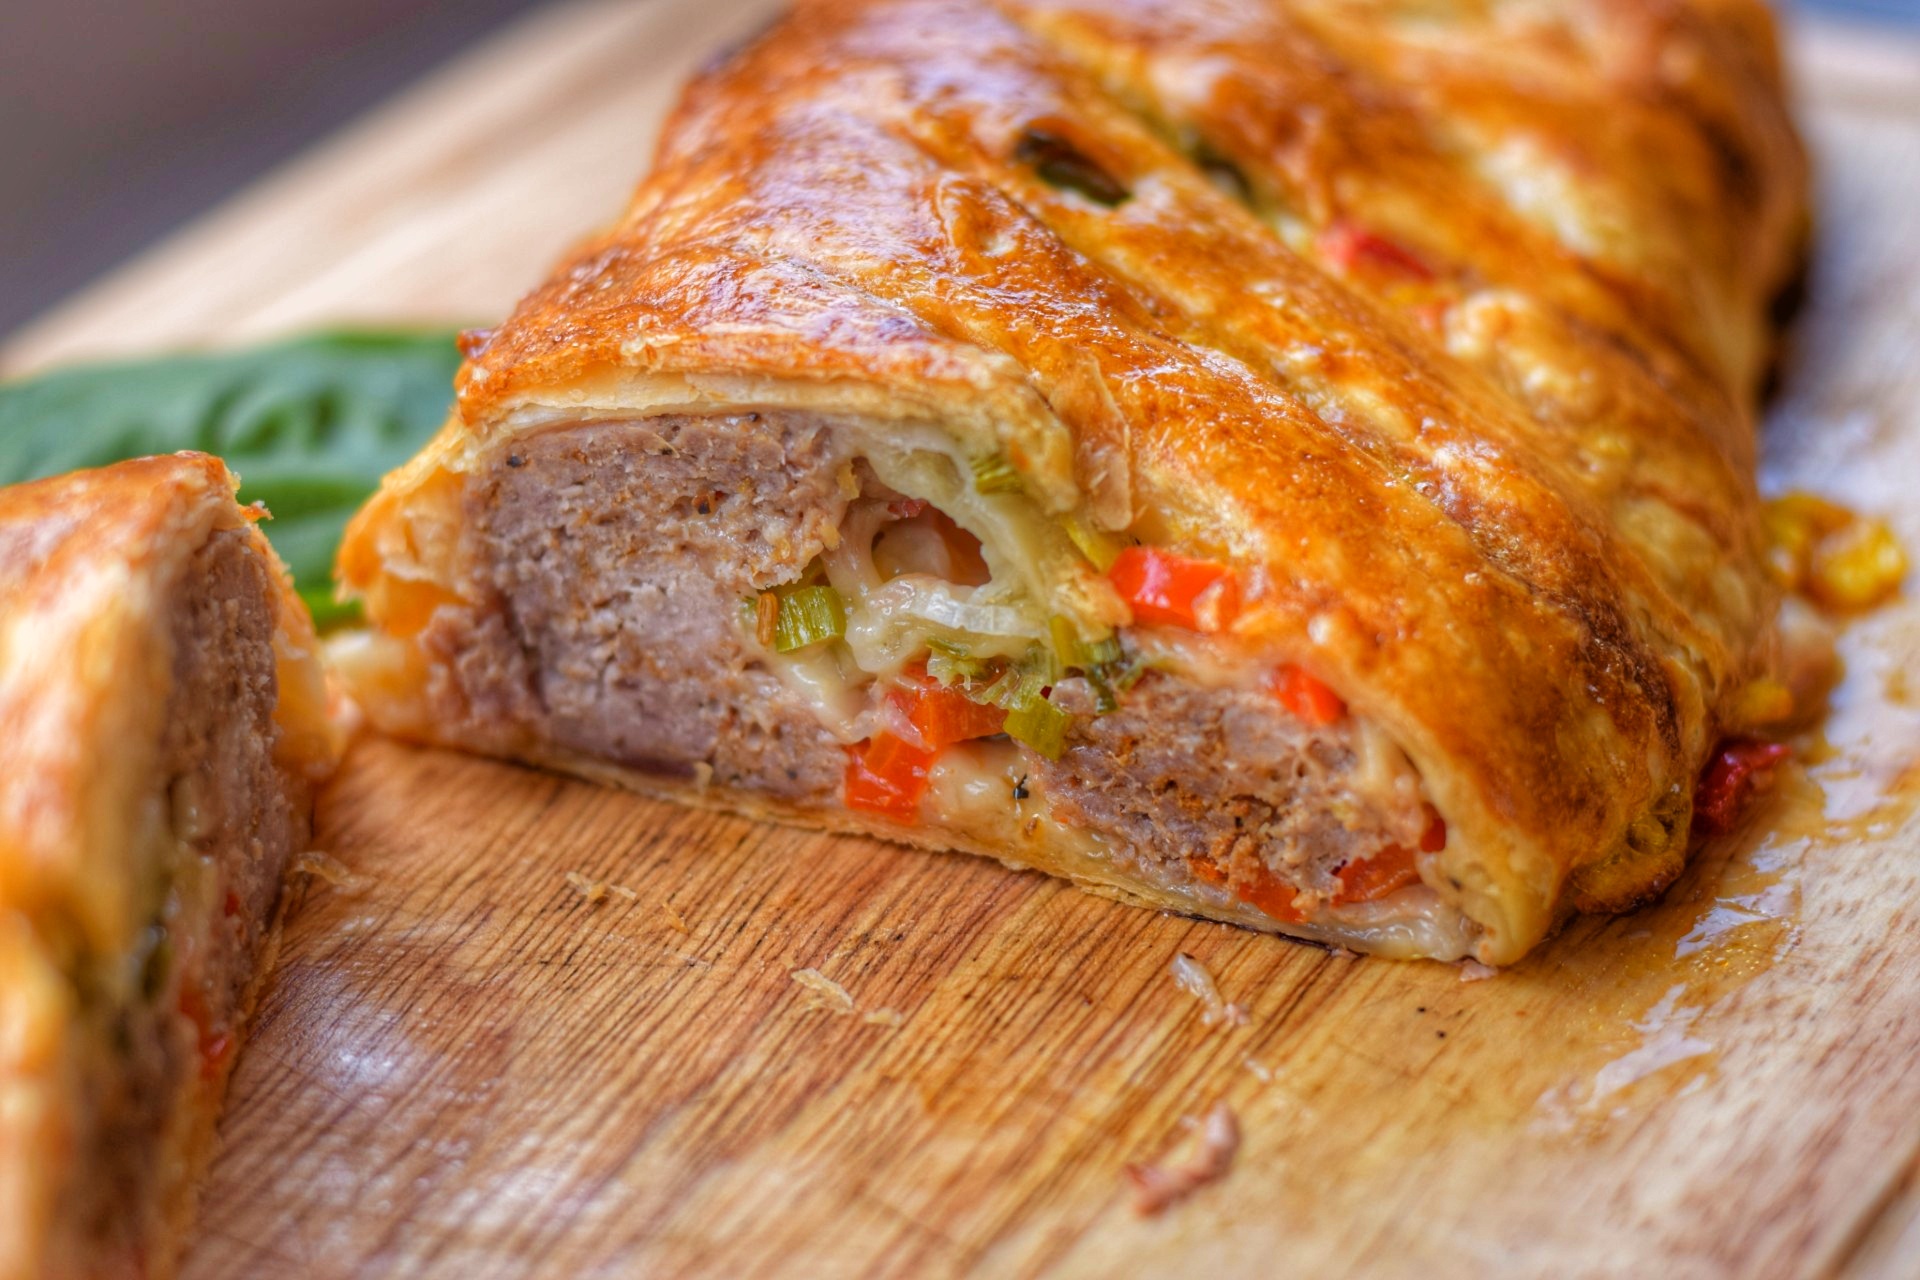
<point x="89" y="566"/>
<point x="1442" y="323"/>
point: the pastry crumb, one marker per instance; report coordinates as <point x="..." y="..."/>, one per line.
<point x="595" y="891"/>
<point x="1156" y="1187"/>
<point x="315" y="865"/>
<point x="675" y="921"/>
<point x="827" y="994"/>
<point x="1474" y="971"/>
<point x="1196" y="981"/>
<point x="591" y="890"/>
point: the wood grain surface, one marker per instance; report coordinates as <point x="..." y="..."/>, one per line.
<point x="474" y="1063"/>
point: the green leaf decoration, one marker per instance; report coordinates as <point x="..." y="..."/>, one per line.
<point x="309" y="425"/>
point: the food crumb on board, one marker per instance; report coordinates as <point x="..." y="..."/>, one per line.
<point x="591" y="890"/>
<point x="1198" y="983"/>
<point x="315" y="865"/>
<point x="828" y="994"/>
<point x="1155" y="1187"/>
<point x="1261" y="1071"/>
<point x="1474" y="971"/>
<point x="598" y="890"/>
<point x="830" y="997"/>
<point x="675" y="920"/>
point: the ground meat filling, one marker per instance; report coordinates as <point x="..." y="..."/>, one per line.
<point x="1182" y="772"/>
<point x="620" y="555"/>
<point x="222" y="736"/>
<point x="616" y="558"/>
<point x="216" y="877"/>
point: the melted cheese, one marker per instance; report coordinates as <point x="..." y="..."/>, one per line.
<point x="975" y="788"/>
<point x="825" y="678"/>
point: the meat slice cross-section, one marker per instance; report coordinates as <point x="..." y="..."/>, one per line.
<point x="165" y="731"/>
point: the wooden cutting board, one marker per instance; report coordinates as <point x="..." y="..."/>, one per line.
<point x="468" y="1065"/>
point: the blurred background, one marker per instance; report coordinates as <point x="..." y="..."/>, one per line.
<point x="121" y="119"/>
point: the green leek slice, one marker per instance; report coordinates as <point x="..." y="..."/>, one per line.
<point x="992" y="473"/>
<point x="1040" y="725"/>
<point x="809" y="615"/>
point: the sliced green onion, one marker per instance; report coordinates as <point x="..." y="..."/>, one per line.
<point x="1030" y="717"/>
<point x="1104" y="698"/>
<point x="1103" y="652"/>
<point x="1104" y="663"/>
<point x="947" y="670"/>
<point x="1039" y="666"/>
<point x="1100" y="548"/>
<point x="992" y="473"/>
<point x="1077" y="654"/>
<point x="1022" y="682"/>
<point x="1066" y="641"/>
<point x="809" y="615"/>
<point x="1000" y="692"/>
<point x="947" y="661"/>
<point x="1097" y="660"/>
<point x="949" y="664"/>
<point x="1040" y="725"/>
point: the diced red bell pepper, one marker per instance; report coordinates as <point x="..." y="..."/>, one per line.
<point x="1306" y="697"/>
<point x="887" y="775"/>
<point x="1365" y="879"/>
<point x="1270" y="894"/>
<point x="947" y="716"/>
<point x="1260" y="888"/>
<point x="941" y="714"/>
<point x="1169" y="590"/>
<point x="1741" y="770"/>
<point x="1394" y="867"/>
<point x="1352" y="247"/>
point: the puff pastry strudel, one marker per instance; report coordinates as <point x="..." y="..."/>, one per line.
<point x="1289" y="461"/>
